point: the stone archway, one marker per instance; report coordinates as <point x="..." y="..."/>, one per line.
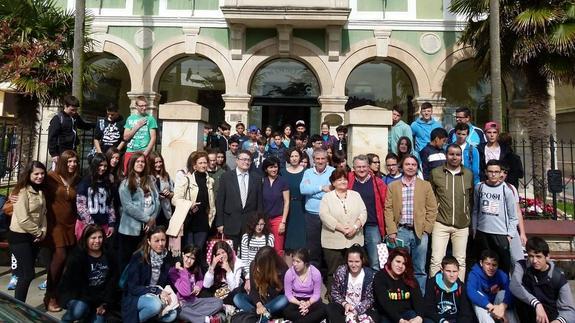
<point x="302" y="51"/>
<point x="176" y="48"/>
<point x="123" y="50"/>
<point x="398" y="52"/>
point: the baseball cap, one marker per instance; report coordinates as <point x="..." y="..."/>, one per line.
<point x="491" y="125"/>
<point x="253" y="128"/>
<point x="300" y="123"/>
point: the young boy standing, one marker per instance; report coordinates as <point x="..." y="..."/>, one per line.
<point x="494" y="219"/>
<point x="445" y="298"/>
<point x="541" y="289"/>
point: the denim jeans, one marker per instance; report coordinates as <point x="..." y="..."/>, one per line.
<point x="275" y="305"/>
<point x="149" y="305"/>
<point x="418" y="250"/>
<point x="81" y="311"/>
<point x="372" y="237"/>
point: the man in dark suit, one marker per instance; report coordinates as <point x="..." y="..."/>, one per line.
<point x="239" y="195"/>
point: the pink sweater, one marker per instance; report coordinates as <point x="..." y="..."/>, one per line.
<point x="184" y="281"/>
<point x="310" y="288"/>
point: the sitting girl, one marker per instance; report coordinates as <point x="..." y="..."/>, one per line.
<point x="266" y="297"/>
<point x="224" y="273"/>
<point x="146" y="290"/>
<point x="187" y="278"/>
<point x="257" y="235"/>
<point x="302" y="283"/>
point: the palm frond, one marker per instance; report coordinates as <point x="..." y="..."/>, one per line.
<point x="562" y="37"/>
<point x="533" y="20"/>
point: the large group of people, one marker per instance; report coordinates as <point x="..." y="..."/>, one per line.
<point x="253" y="225"/>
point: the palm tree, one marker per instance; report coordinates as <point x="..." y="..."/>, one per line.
<point x="36" y="43"/>
<point x="538" y="41"/>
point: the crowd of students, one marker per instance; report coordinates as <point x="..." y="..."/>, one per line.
<point x="253" y="226"/>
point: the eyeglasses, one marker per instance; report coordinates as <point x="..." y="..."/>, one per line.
<point x="245" y="159"/>
<point x="391" y="165"/>
<point x="376" y="162"/>
<point x="142" y="105"/>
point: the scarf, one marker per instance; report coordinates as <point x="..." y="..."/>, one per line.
<point x="156" y="260"/>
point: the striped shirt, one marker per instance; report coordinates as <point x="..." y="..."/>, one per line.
<point x="407" y="194"/>
<point x="249" y="248"/>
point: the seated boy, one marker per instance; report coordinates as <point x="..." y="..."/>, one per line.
<point x="445" y="298"/>
<point x="541" y="290"/>
<point x="488" y="290"/>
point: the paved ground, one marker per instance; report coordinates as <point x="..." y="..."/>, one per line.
<point x="35" y="296"/>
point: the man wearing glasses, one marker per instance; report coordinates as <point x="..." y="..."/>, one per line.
<point x="239" y="195"/>
<point x="139" y="131"/>
<point x="494" y="219"/>
<point x="476" y="135"/>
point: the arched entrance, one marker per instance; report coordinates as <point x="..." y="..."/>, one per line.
<point x="111" y="83"/>
<point x="284" y="91"/>
<point x="379" y="83"/>
<point x="196" y="79"/>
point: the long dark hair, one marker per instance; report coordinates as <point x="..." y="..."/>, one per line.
<point x="145" y="246"/>
<point x="115" y="171"/>
<point x="267" y="269"/>
<point x="62" y="167"/>
<point x="133" y="176"/>
<point x="252" y="222"/>
<point x="408" y="275"/>
<point x="196" y="269"/>
<point x="401" y="155"/>
<point x="87" y="232"/>
<point x="219" y="272"/>
<point x="163" y="174"/>
<point x="94" y="177"/>
<point x="24" y="179"/>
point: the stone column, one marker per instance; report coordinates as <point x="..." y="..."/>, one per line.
<point x="332" y="111"/>
<point x="438" y="104"/>
<point x="367" y="131"/>
<point x="153" y="100"/>
<point x="237" y="108"/>
<point x="46" y="115"/>
<point x="182" y="132"/>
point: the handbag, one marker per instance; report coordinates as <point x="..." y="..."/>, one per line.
<point x="382" y="253"/>
<point x="212" y="241"/>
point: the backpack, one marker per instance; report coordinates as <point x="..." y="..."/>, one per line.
<point x="556" y="280"/>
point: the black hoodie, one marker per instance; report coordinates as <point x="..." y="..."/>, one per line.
<point x="443" y="304"/>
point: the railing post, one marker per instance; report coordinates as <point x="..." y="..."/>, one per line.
<point x="553" y="194"/>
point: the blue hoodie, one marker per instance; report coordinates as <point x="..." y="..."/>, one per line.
<point x="482" y="289"/>
<point x="422" y="132"/>
<point x="476" y="136"/>
<point x="470" y="159"/>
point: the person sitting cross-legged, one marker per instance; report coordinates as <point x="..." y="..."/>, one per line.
<point x="541" y="290"/>
<point x="488" y="290"/>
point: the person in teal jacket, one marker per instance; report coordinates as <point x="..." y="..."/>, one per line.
<point x="470" y="154"/>
<point x="423" y="126"/>
<point x="398" y="130"/>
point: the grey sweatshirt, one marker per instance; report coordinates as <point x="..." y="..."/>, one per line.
<point x="564" y="302"/>
<point x="494" y="209"/>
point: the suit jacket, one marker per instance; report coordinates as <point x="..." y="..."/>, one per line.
<point x="229" y="210"/>
<point x="424" y="207"/>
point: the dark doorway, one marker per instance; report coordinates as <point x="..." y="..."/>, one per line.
<point x="278" y="116"/>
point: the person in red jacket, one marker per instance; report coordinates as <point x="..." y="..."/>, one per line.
<point x="372" y="190"/>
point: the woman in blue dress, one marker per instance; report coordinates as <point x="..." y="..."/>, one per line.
<point x="295" y="235"/>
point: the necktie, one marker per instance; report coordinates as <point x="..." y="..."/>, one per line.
<point x="243" y="189"/>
